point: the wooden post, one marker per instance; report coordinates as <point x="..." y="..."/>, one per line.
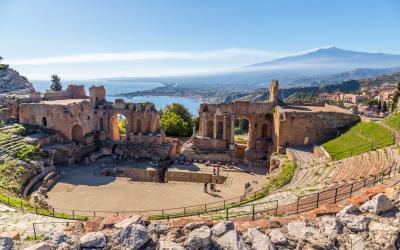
<point x="73" y="214"/>
<point x="253" y="210"/>
<point x="351" y="189"/>
<point x="297" y="207"/>
<point x="336" y="195"/>
<point x="34" y="231"/>
<point x="276" y="208"/>
<point x="227" y="214"/>
<point x="317" y="200"/>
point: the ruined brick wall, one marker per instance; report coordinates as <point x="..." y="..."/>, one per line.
<point x="72" y="92"/>
<point x="190" y="176"/>
<point x="62" y="118"/>
<point x="97" y="94"/>
<point x="142" y="120"/>
<point x="308" y="128"/>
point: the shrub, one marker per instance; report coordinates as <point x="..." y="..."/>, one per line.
<point x="174" y="125"/>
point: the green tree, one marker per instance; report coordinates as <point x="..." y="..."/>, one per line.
<point x="174" y="125"/>
<point x="1" y="59"/>
<point x="56" y="83"/>
<point x="183" y="113"/>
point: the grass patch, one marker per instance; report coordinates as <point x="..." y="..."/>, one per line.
<point x="393" y="121"/>
<point x="26" y="206"/>
<point x="32" y="237"/>
<point x="361" y="138"/>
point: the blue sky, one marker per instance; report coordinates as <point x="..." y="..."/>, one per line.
<point x="94" y="39"/>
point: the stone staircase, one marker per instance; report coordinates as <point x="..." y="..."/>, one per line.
<point x="10" y="144"/>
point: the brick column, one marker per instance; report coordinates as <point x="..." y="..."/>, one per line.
<point x="224" y="131"/>
<point x="232" y="129"/>
<point x="203" y="125"/>
<point x="252" y="133"/>
<point x="215" y="126"/>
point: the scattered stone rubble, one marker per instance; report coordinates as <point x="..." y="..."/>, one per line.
<point x="372" y="225"/>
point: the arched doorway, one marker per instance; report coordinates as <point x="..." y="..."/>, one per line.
<point x="139" y="125"/>
<point x="119" y="125"/>
<point x="241" y="137"/>
<point x="148" y="124"/>
<point x="76" y="133"/>
<point x="210" y="129"/>
<point x="220" y="130"/>
<point x="264" y="131"/>
<point x="44" y="122"/>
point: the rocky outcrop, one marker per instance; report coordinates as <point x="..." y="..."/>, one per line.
<point x="11" y="81"/>
<point x="352" y="228"/>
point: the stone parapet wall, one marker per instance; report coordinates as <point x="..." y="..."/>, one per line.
<point x="72" y="92"/>
<point x="148" y="139"/>
<point x="149" y="174"/>
<point x="308" y="128"/>
<point x="190" y="176"/>
<point x="209" y="143"/>
<point x="143" y="150"/>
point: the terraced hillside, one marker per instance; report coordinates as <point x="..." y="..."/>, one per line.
<point x="18" y="159"/>
<point x="361" y="138"/>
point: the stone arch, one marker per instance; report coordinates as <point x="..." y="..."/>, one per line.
<point x="117" y="132"/>
<point x="44" y="121"/>
<point x="220" y="130"/>
<point x="138" y="125"/>
<point x="148" y="124"/>
<point x="76" y="133"/>
<point x="210" y="129"/>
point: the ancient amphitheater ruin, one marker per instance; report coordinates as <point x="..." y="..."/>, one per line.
<point x="87" y="169"/>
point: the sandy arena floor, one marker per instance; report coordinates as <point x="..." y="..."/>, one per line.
<point x="80" y="189"/>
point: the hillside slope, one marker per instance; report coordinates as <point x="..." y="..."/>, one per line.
<point x="11" y="80"/>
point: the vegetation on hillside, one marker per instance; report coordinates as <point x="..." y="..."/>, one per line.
<point x="176" y="120"/>
<point x="15" y="169"/>
<point x="395" y="98"/>
<point x="360" y="138"/>
<point x="284" y="176"/>
<point x="393" y="121"/>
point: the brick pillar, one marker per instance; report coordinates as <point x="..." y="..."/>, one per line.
<point x="215" y="126"/>
<point x="203" y="125"/>
<point x="252" y="133"/>
<point x="232" y="129"/>
<point x="224" y="131"/>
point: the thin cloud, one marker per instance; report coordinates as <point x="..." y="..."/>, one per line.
<point x="222" y="54"/>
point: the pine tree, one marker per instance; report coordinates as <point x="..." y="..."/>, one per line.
<point x="56" y="83"/>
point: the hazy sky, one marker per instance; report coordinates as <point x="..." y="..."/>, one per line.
<point x="94" y="39"/>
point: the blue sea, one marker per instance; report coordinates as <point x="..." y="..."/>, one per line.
<point x="119" y="87"/>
